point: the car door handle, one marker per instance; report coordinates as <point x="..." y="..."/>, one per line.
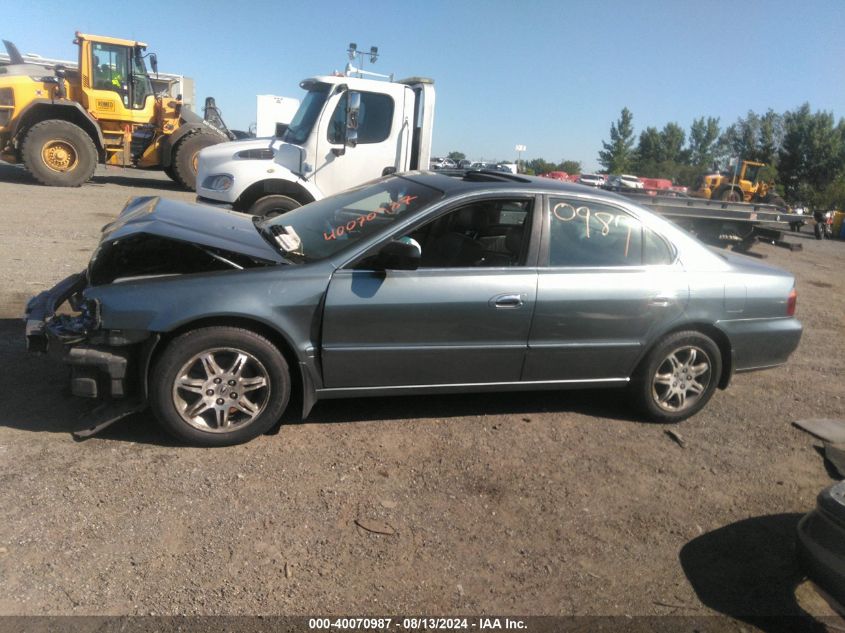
<point x="662" y="301"/>
<point x="511" y="300"/>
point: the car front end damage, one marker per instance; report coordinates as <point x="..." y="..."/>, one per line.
<point x="106" y="365"/>
<point x="151" y="240"/>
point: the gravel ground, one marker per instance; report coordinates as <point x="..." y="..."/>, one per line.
<point x="537" y="503"/>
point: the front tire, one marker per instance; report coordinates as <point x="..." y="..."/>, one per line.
<point x="219" y="386"/>
<point x="271" y="206"/>
<point x="59" y="154"/>
<point x="187" y="156"/>
<point x="678" y="377"/>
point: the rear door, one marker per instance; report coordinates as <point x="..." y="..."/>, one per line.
<point x="462" y="318"/>
<point x="606" y="284"/>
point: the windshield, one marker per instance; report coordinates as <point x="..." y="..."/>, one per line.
<point x="307" y="114"/>
<point x="142" y="87"/>
<point x="321" y="229"/>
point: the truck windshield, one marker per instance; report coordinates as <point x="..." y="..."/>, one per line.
<point x="307" y="114"/>
<point x="321" y="229"/>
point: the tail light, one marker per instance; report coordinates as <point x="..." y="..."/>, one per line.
<point x="791" y="301"/>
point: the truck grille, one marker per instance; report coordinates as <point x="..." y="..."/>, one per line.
<point x="7" y="105"/>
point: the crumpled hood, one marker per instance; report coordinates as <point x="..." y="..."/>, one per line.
<point x="192" y="223"/>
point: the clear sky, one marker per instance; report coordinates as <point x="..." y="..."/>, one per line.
<point x="549" y="75"/>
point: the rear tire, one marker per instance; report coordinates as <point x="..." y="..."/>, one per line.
<point x="271" y="206"/>
<point x="186" y="156"/>
<point x="219" y="386"/>
<point x="678" y="377"/>
<point x="59" y="154"/>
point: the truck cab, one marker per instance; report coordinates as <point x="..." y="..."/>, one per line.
<point x="347" y="131"/>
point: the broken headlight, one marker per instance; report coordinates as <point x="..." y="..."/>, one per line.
<point x="76" y="327"/>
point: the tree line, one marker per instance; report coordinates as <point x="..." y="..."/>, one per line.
<point x="534" y="166"/>
<point x="805" y="151"/>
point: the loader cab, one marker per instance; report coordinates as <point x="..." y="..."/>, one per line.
<point x="750" y="171"/>
<point x="115" y="83"/>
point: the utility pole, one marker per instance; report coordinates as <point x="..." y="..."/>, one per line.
<point x="519" y="149"/>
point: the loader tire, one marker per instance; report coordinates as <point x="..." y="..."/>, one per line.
<point x="777" y="201"/>
<point x="59" y="154"/>
<point x="730" y="195"/>
<point x="185" y="159"/>
<point x="171" y="173"/>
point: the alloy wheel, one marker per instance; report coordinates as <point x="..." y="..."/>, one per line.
<point x="221" y="390"/>
<point x="681" y="379"/>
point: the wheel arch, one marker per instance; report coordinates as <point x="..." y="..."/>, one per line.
<point x="299" y="384"/>
<point x="708" y="329"/>
<point x="70" y="111"/>
<point x="272" y="186"/>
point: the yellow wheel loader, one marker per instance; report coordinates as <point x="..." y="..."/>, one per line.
<point x="743" y="184"/>
<point x="59" y="122"/>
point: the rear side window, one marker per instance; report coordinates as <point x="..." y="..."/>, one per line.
<point x="375" y="119"/>
<point x="591" y="234"/>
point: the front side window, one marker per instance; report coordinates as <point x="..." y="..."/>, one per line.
<point x="591" y="234"/>
<point x="486" y="233"/>
<point x="752" y="172"/>
<point x="111" y="70"/>
<point x="375" y="118"/>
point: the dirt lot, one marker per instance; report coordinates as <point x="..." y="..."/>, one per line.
<point x="536" y="503"/>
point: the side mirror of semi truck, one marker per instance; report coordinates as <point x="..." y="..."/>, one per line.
<point x="353" y="107"/>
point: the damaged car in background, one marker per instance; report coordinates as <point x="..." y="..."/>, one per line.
<point x="421" y="283"/>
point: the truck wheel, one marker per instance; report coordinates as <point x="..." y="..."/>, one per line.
<point x="678" y="377"/>
<point x="730" y="195"/>
<point x="270" y="206"/>
<point x="186" y="157"/>
<point x="59" y="154"/>
<point x="219" y="386"/>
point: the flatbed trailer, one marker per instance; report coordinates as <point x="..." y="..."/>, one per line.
<point x="736" y="224"/>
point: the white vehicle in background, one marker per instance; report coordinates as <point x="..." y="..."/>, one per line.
<point x="511" y="167"/>
<point x="442" y="163"/>
<point x="347" y="130"/>
<point x="479" y="165"/>
<point x="624" y="181"/>
<point x="592" y="180"/>
<point x="274" y="114"/>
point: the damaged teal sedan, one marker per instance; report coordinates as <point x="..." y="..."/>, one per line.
<point x="414" y="283"/>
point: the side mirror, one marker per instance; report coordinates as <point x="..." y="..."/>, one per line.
<point x="154" y="63"/>
<point x="398" y="255"/>
<point x="353" y="108"/>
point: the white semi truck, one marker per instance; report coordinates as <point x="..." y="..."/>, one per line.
<point x="347" y="130"/>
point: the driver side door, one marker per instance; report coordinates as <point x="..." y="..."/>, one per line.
<point x="462" y="318"/>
